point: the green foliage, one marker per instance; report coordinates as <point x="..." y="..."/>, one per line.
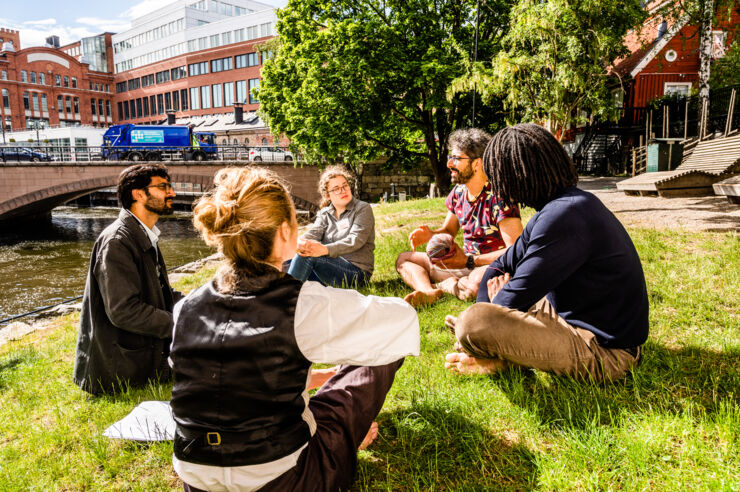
<point x="673" y="424"/>
<point x="726" y="70"/>
<point x="359" y="80"/>
<point x="554" y="59"/>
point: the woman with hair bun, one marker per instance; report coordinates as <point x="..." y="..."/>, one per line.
<point x="244" y="343"/>
<point x="338" y="249"/>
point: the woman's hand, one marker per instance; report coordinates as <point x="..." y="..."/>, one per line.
<point x="309" y="247"/>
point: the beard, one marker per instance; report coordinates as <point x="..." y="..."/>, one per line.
<point x="463" y="175"/>
<point x="158" y="206"/>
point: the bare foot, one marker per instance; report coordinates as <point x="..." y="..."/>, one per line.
<point x="423" y="298"/>
<point x="450" y="322"/>
<point x="462" y="363"/>
<point x="448" y="286"/>
<point x="369" y="437"/>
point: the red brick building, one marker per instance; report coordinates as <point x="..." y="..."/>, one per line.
<point x="48" y="87"/>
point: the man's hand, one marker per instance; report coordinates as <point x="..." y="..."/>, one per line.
<point x="496" y="284"/>
<point x="420" y="236"/>
<point x="458" y="261"/>
<point x="309" y="247"/>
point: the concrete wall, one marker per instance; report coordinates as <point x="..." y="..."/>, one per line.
<point x="374" y="180"/>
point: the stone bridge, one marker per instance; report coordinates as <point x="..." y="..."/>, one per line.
<point x="32" y="190"/>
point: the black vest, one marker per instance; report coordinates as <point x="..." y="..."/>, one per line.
<point x="239" y="376"/>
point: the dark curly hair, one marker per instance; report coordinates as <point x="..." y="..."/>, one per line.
<point x="137" y="177"/>
<point x="527" y="165"/>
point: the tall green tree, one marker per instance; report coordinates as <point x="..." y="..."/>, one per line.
<point x="555" y="57"/>
<point x="360" y="79"/>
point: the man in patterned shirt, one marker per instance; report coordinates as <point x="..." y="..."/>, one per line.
<point x="489" y="227"/>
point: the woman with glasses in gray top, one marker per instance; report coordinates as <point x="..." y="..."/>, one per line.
<point x="338" y="248"/>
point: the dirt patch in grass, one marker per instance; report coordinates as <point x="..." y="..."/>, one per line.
<point x="706" y="213"/>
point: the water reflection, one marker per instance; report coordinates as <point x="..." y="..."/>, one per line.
<point x="44" y="264"/>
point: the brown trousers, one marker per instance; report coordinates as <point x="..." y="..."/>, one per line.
<point x="344" y="408"/>
<point x="540" y="339"/>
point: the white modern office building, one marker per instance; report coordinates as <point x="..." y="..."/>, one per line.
<point x="187" y="26"/>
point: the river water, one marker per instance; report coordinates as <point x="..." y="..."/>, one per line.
<point x="46" y="264"/>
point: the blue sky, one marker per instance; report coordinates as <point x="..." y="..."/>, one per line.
<point x="76" y="19"/>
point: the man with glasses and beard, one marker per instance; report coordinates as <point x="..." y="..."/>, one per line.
<point x="126" y="321"/>
<point x="489" y="227"/>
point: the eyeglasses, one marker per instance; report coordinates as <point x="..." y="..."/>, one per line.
<point x="457" y="158"/>
<point x="339" y="189"/>
<point x="162" y="186"/>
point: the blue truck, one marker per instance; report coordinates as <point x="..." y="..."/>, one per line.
<point x="154" y="142"/>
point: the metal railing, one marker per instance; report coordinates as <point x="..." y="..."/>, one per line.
<point x="29" y="152"/>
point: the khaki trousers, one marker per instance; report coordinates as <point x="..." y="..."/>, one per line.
<point x="540" y="339"/>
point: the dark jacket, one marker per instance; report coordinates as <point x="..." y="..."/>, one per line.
<point x="239" y="374"/>
<point x="126" y="320"/>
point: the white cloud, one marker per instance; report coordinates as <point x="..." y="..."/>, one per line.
<point x="109" y="25"/>
<point x="145" y="7"/>
<point x="41" y="22"/>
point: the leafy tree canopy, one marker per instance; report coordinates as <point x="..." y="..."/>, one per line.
<point x="554" y="59"/>
<point x="359" y="79"/>
<point x="726" y="70"/>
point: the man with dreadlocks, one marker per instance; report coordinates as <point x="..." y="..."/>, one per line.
<point x="489" y="227"/>
<point x="569" y="296"/>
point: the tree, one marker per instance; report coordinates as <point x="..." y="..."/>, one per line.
<point x="726" y="70"/>
<point x="555" y="57"/>
<point x="359" y="79"/>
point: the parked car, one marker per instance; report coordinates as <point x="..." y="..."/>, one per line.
<point x="17" y="154"/>
<point x="269" y="154"/>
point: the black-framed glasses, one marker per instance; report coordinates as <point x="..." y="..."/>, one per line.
<point x="338" y="189"/>
<point x="162" y="186"/>
<point x="457" y="158"/>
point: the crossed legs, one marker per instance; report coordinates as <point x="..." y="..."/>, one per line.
<point x="430" y="282"/>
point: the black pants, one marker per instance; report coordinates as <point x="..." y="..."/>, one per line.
<point x="343" y="408"/>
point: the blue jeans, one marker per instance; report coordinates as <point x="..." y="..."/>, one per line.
<point x="336" y="272"/>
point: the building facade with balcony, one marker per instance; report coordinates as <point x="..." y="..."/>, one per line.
<point x="196" y="58"/>
<point x="43" y="87"/>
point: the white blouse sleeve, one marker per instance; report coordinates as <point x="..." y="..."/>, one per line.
<point x="342" y="326"/>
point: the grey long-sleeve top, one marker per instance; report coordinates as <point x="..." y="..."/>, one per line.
<point x="351" y="236"/>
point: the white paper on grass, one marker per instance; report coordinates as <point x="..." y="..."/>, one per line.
<point x="149" y="421"/>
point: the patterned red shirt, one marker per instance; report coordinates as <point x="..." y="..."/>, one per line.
<point x="479" y="219"/>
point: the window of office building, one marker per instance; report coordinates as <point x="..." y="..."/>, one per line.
<point x="248" y="60"/>
<point x="134" y="84"/>
<point x="100" y="107"/>
<point x="24" y="76"/>
<point x="125" y="110"/>
<point x="197" y="69"/>
<point x="179" y="73"/>
<point x="138" y="108"/>
<point x="265" y="29"/>
<point x="147" y="80"/>
<point x="214" y="39"/>
<point x="192" y="45"/>
<point x="163" y="76"/>
<point x="145" y="106"/>
<point x="202" y="43"/>
<point x="152" y="105"/>
<point x="205" y="97"/>
<point x="194" y="98"/>
<point x="74" y="83"/>
<point x="229" y="94"/>
<point x="68" y="105"/>
<point x="132" y="106"/>
<point x="217" y="95"/>
<point x="35" y="100"/>
<point x="6" y="99"/>
<point x="167" y="101"/>
<point x="42" y="78"/>
<point x="66" y="81"/>
<point x="93" y="107"/>
<point x="57" y="80"/>
<point x="176" y="100"/>
<point x="77" y="105"/>
<point x="120" y="110"/>
<point x="252" y="32"/>
<point x="120" y="87"/>
<point x="33" y="77"/>
<point x="253" y="84"/>
<point x="226" y="37"/>
<point x="8" y="124"/>
<point x="160" y="104"/>
<point x="239" y="35"/>
<point x="44" y="103"/>
<point x="107" y="108"/>
<point x="4" y="75"/>
<point x="241" y="91"/>
<point x="60" y="104"/>
<point x="26" y="101"/>
<point x="221" y="64"/>
<point x="184" y="99"/>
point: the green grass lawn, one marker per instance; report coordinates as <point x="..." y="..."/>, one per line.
<point x="673" y="424"/>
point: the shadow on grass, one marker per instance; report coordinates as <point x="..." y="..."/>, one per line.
<point x="434" y="446"/>
<point x="667" y="380"/>
<point x="13" y="362"/>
